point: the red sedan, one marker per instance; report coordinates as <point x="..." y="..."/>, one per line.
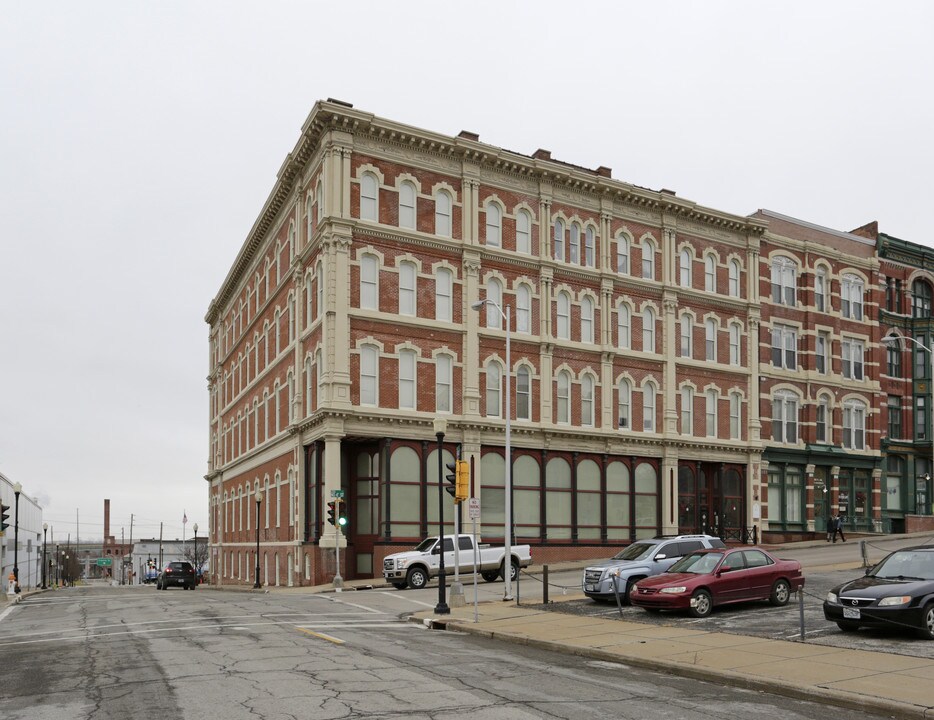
<point x="706" y="578"/>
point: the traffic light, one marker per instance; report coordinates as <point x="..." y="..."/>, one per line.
<point x="332" y="512"/>
<point x="463" y="481"/>
<point x="451" y="478"/>
<point x="341" y="514"/>
<point x="4" y="516"/>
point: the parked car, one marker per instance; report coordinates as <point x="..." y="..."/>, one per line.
<point x="897" y="592"/>
<point x="413" y="568"/>
<point x="642" y="559"/>
<point x="177" y="574"/>
<point x="707" y="578"/>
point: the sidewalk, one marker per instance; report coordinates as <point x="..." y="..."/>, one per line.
<point x="895" y="685"/>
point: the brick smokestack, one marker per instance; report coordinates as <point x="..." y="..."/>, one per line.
<point x="106" y="520"/>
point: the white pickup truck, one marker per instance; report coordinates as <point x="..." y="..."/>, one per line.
<point x="414" y="568"/>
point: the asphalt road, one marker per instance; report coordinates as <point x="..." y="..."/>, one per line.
<point x="106" y="653"/>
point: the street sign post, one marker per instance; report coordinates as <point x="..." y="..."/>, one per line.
<point x="104" y="562"/>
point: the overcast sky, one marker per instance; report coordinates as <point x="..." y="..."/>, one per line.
<point x="138" y="142"/>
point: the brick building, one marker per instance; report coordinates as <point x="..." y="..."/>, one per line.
<point x="907" y="279"/>
<point x="643" y="389"/>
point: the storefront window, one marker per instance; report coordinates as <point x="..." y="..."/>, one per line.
<point x="617" y="501"/>
<point x="646" y="500"/>
<point x="558" y="499"/>
<point x="526" y="497"/>
<point x="403" y="496"/>
<point x="588" y="500"/>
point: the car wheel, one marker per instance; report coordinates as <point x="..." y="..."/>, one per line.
<point x="781" y="592"/>
<point x="416" y="578"/>
<point x="848" y="627"/>
<point x="490" y="575"/>
<point x="927" y="623"/>
<point x="631" y="588"/>
<point x="400" y="586"/>
<point x="513" y="570"/>
<point x="701" y="604"/>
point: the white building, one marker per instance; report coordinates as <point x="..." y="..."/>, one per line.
<point x="28" y="556"/>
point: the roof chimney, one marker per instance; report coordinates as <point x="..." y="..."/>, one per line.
<point x="542" y="154"/>
<point x="467" y="135"/>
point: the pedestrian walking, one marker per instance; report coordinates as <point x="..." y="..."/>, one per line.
<point x="838" y="528"/>
<point x="831" y="521"/>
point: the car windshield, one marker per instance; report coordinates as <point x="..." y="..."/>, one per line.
<point x="698" y="563"/>
<point x="636" y="551"/>
<point x="906" y="565"/>
<point x="426" y="544"/>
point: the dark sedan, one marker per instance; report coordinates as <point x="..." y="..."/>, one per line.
<point x="898" y="592"/>
<point x="706" y="578"/>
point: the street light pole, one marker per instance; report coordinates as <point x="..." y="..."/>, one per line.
<point x="507" y="529"/>
<point x="259" y="499"/>
<point x="442" y="607"/>
<point x="890" y="338"/>
<point x="45" y="536"/>
<point x="17" y="489"/>
<point x="195" y="555"/>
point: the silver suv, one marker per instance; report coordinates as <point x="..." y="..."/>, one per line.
<point x="643" y="558"/>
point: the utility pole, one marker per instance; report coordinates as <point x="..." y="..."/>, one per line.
<point x="122" y="578"/>
<point x="160" y="547"/>
<point x="131" y="547"/>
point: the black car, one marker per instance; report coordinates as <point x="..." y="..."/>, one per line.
<point x="177" y="574"/>
<point x="896" y="593"/>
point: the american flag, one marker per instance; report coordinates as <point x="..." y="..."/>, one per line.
<point x="184" y="517"/>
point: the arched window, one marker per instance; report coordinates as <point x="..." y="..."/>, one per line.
<point x="563" y="404"/>
<point x="407" y="291"/>
<point x="523" y="232"/>
<point x="494" y="224"/>
<point x="309" y="219"/>
<point x="648" y="406"/>
<point x="559" y="239"/>
<point x="734" y="343"/>
<point x="784" y="281"/>
<point x="443" y="211"/>
<point x="710" y="340"/>
<point x="820" y="289"/>
<point x="736" y="416"/>
<point x="710" y="414"/>
<point x="623" y="326"/>
<point x="563" y="329"/>
<point x="369" y="197"/>
<point x="624" y="404"/>
<point x="920" y="299"/>
<point x="494" y="380"/>
<point x="687" y="410"/>
<point x="444" y="383"/>
<point x="587" y="405"/>
<point x="734" y="278"/>
<point x="687" y="336"/>
<point x="823" y="428"/>
<point x="589" y="247"/>
<point x="494" y="296"/>
<point x="648" y="330"/>
<point x="523" y="394"/>
<point x="369" y="282"/>
<point x="523" y="309"/>
<point x="407" y="379"/>
<point x="319" y="199"/>
<point x="407" y="208"/>
<point x="710" y="273"/>
<point x="854" y="425"/>
<point x="444" y="281"/>
<point x="785" y="417"/>
<point x="684" y="263"/>
<point x="622" y="255"/>
<point x="369" y="375"/>
<point x="648" y="259"/>
<point x="851" y="297"/>
<point x="586" y="320"/>
<point x="574" y="246"/>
